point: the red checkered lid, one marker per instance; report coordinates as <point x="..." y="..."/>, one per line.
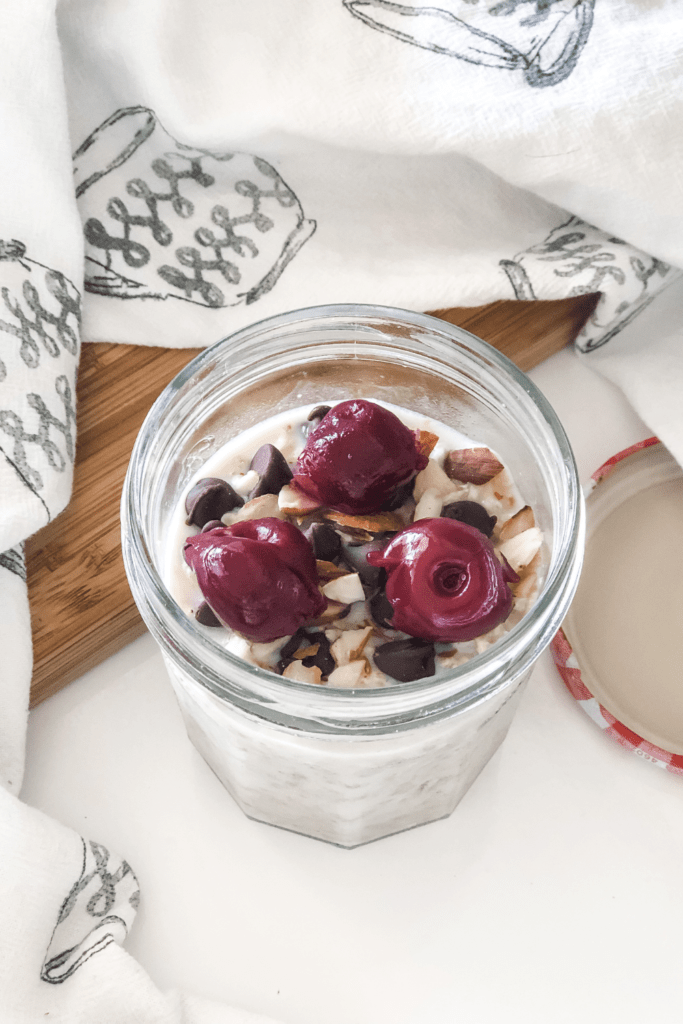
<point x="568" y="666"/>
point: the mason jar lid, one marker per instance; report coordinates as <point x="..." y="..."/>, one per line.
<point x="619" y="648"/>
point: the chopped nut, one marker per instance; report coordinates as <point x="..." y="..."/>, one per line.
<point x="472" y="465"/>
<point x="521" y="521"/>
<point x="429" y="505"/>
<point x="346" y="589"/>
<point x="347" y="676"/>
<point x="293" y="502"/>
<point x="426" y="442"/>
<point x="432" y="477"/>
<point x="528" y="581"/>
<point x="335" y="610"/>
<point x="350" y="645"/>
<point x="262" y="507"/>
<point x="329" y="571"/>
<point x="381" y="522"/>
<point x="262" y="652"/>
<point x="301" y="674"/>
<point x="355" y="619"/>
<point x="519" y="550"/>
<point x="306" y="652"/>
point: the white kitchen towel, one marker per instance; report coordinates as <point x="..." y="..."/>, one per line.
<point x="171" y="172"/>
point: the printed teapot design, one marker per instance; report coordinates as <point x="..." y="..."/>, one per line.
<point x="162" y="219"/>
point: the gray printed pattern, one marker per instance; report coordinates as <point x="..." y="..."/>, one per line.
<point x="165" y="220"/>
<point x="14" y="561"/>
<point x="578" y="259"/>
<point x="98" y="910"/>
<point x="541" y="38"/>
<point x="40" y="315"/>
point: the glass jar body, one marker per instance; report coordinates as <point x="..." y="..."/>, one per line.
<point x="348" y="766"/>
<point x="343" y="789"/>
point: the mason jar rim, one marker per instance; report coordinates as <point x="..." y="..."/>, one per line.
<point x="256" y="688"/>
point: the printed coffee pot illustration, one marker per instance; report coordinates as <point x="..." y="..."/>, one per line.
<point x="543" y="38"/>
<point x="162" y="219"/>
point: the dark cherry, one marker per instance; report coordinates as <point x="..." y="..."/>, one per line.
<point x="259" y="577"/>
<point x="356" y="458"/>
<point x="406" y="660"/>
<point x="210" y="498"/>
<point x="444" y="581"/>
<point x="472" y="513"/>
<point x="273" y="471"/>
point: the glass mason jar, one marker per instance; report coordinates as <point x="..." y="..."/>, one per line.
<point x="348" y="766"/>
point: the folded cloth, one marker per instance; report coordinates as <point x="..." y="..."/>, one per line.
<point x="171" y="172"/>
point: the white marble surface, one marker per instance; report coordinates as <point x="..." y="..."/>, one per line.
<point x="552" y="895"/>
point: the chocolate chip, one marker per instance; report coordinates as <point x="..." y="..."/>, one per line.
<point x="324" y="540"/>
<point x="322" y="659"/>
<point x="400" y="496"/>
<point x="273" y="471"/>
<point x="373" y="577"/>
<point x="381" y="610"/>
<point x="205" y="615"/>
<point x="406" y="660"/>
<point x="316" y="415"/>
<point x="212" y="524"/>
<point x="209" y="499"/>
<point x="472" y="514"/>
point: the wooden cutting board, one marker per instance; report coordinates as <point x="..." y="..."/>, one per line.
<point x="82" y="610"/>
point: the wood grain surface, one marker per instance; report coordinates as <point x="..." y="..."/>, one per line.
<point x="81" y="607"/>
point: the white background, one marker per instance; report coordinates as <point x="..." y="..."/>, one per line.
<point x="553" y="894"/>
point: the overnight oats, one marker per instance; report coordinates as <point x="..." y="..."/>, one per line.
<point x="354" y="545"/>
<point x="352" y="531"/>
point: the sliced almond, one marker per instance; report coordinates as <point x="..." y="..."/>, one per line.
<point x="306" y="652"/>
<point x="528" y="582"/>
<point x="432" y="478"/>
<point x="519" y="550"/>
<point x="302" y="674"/>
<point x="347" y="676"/>
<point x="293" y="502"/>
<point x="380" y="522"/>
<point x="263" y="507"/>
<point x="335" y="610"/>
<point x="346" y="589"/>
<point x="472" y="465"/>
<point x="521" y="521"/>
<point x="429" y="506"/>
<point x="426" y="442"/>
<point x="329" y="571"/>
<point x="262" y="652"/>
<point x="350" y="645"/>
